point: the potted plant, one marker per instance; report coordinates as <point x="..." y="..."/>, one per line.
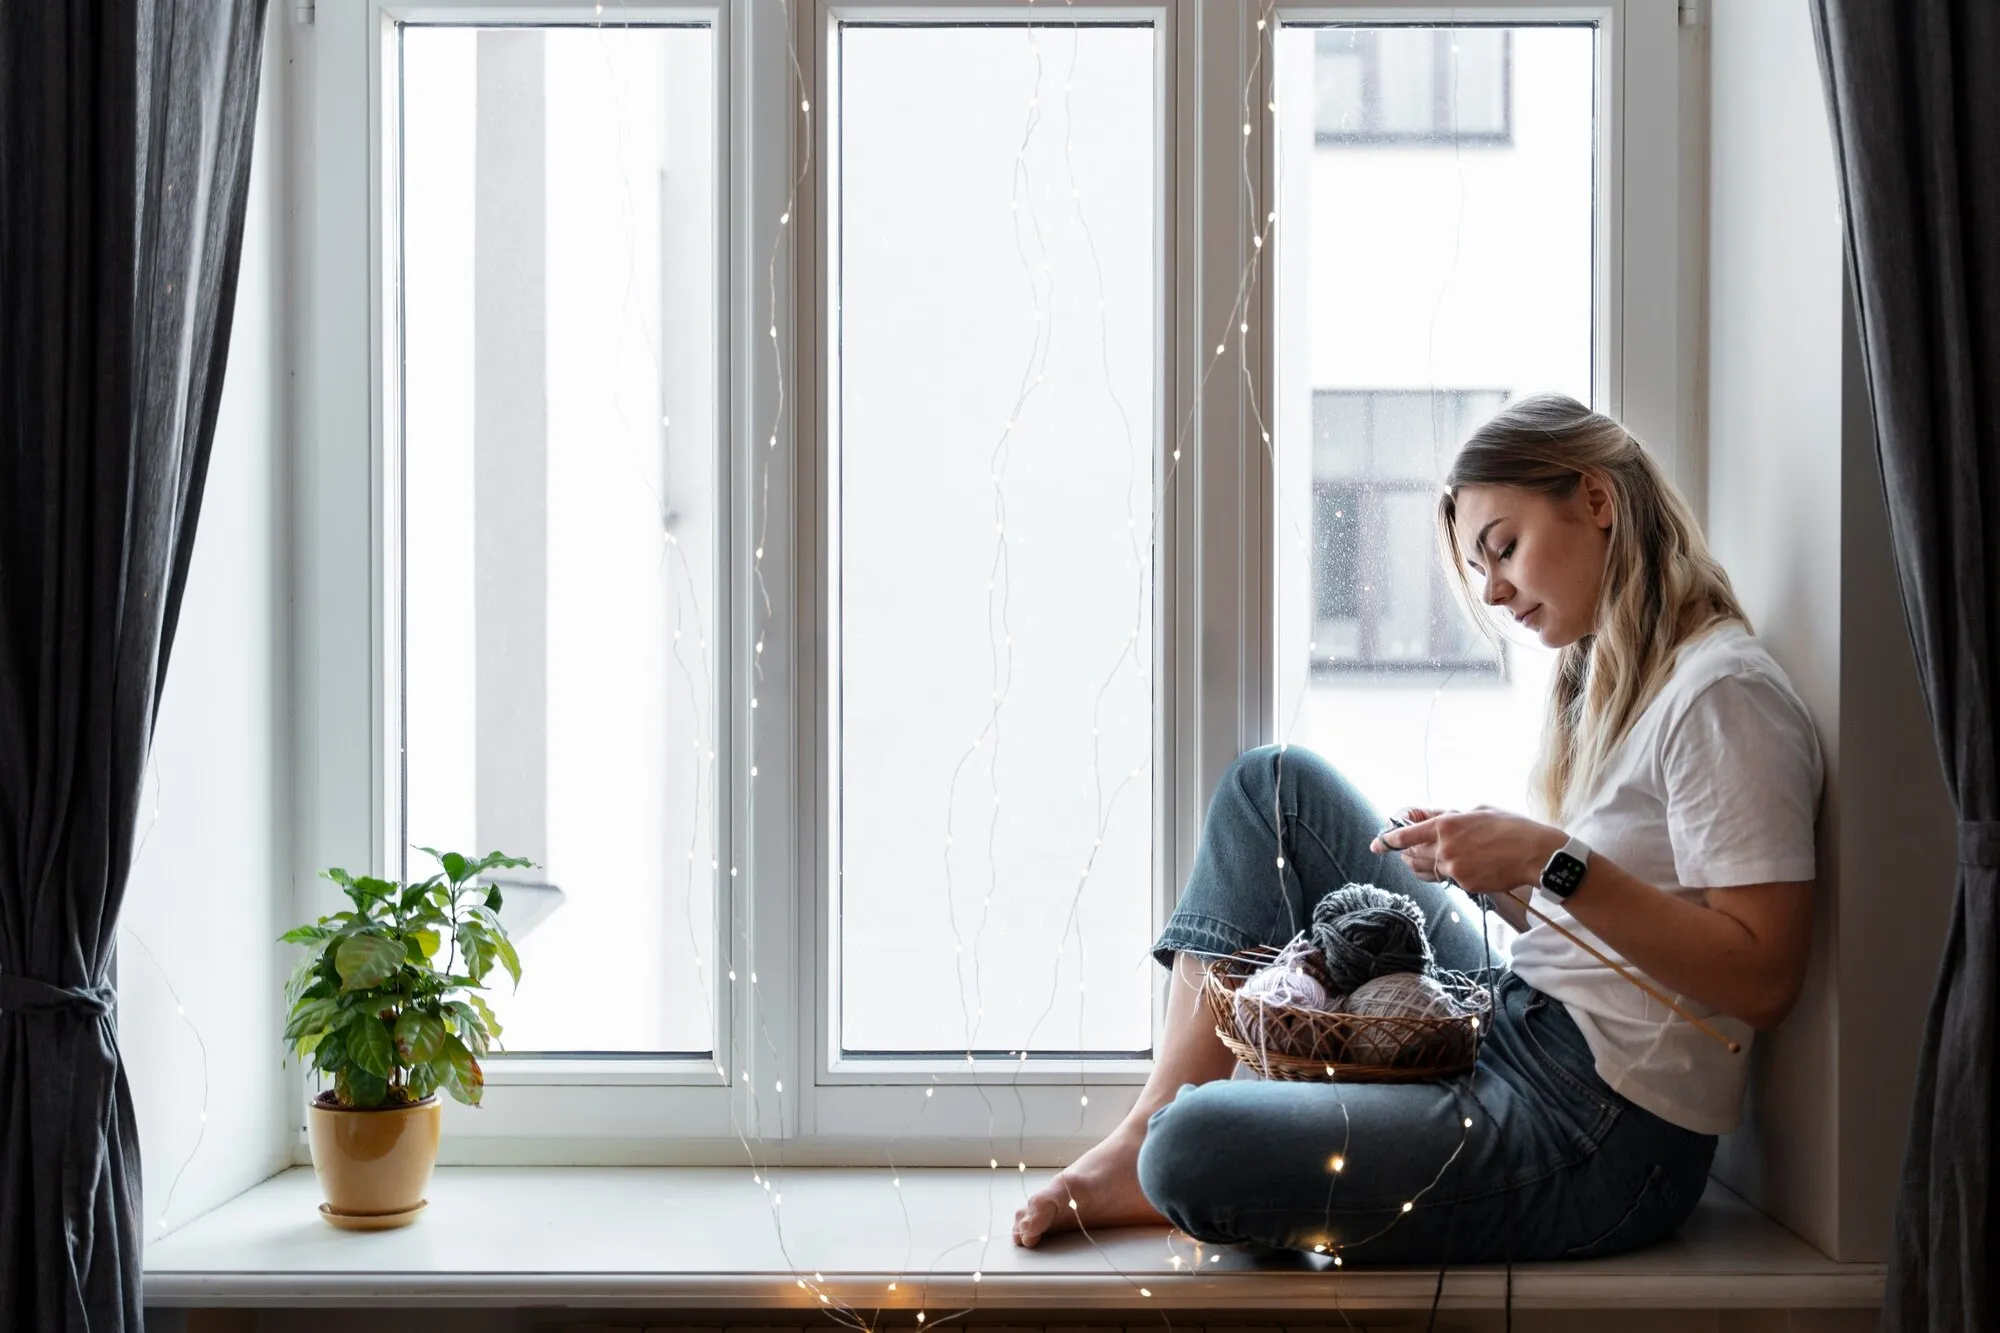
<point x="389" y="1008"/>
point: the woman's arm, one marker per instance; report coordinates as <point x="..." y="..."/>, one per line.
<point x="1743" y="952"/>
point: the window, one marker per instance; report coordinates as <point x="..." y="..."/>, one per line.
<point x="559" y="510"/>
<point x="1413" y="85"/>
<point x="673" y="390"/>
<point x="1418" y="284"/>
<point x="993" y="457"/>
<point x="1377" y="605"/>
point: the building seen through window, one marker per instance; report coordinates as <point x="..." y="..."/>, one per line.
<point x="1413" y="85"/>
<point x="1380" y="601"/>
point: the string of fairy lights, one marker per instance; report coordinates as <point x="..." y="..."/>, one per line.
<point x="736" y="959"/>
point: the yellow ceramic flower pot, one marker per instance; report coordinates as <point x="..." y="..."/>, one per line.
<point x="374" y="1166"/>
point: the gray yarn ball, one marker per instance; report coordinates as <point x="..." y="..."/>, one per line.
<point x="1365" y="932"/>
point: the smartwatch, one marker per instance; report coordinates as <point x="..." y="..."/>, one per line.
<point x="1564" y="872"/>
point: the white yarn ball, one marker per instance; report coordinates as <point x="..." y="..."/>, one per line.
<point x="1274" y="985"/>
<point x="1397" y="995"/>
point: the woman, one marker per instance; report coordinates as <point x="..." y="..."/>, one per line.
<point x="1679" y="774"/>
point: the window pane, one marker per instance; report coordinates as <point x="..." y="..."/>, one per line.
<point x="1391" y="84"/>
<point x="995" y="459"/>
<point x="1418" y="292"/>
<point x="560" y="502"/>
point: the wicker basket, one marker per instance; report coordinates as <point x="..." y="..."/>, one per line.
<point x="1310" y="1045"/>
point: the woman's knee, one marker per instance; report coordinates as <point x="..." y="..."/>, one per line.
<point x="1183" y="1163"/>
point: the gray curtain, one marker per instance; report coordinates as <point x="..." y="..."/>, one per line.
<point x="125" y="130"/>
<point x="1913" y="87"/>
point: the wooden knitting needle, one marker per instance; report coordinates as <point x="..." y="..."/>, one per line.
<point x="1733" y="1047"/>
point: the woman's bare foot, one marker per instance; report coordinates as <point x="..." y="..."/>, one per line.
<point x="1100" y="1189"/>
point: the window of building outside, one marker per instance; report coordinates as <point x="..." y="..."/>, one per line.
<point x="1413" y="85"/>
<point x="1418" y="291"/>
<point x="1377" y="605"/>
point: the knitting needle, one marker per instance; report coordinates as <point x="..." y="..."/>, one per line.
<point x="1733" y="1047"/>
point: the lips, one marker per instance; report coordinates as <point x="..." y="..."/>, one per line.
<point x="1524" y="619"/>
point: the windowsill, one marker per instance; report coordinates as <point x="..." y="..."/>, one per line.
<point x="708" y="1239"/>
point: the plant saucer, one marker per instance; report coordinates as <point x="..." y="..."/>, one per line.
<point x="372" y="1221"/>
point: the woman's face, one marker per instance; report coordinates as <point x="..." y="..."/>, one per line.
<point x="1540" y="560"/>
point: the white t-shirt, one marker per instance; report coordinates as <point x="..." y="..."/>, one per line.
<point x="1717" y="784"/>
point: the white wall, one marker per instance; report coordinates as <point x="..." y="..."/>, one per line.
<point x="200" y="922"/>
<point x="1796" y="516"/>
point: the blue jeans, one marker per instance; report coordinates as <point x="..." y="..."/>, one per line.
<point x="1554" y="1164"/>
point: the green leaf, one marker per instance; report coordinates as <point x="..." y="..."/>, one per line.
<point x="310" y="1016"/>
<point x="493" y="898"/>
<point x="301" y="980"/>
<point x="337" y="875"/>
<point x="467" y="1081"/>
<point x="454" y="867"/>
<point x="423" y="1081"/>
<point x="428" y="942"/>
<point x="476" y="946"/>
<point x="508" y="958"/>
<point x="493" y="1027"/>
<point x="369" y="1044"/>
<point x="310" y="1043"/>
<point x="500" y="860"/>
<point x="306" y="935"/>
<point x="331" y="1053"/>
<point x="419" y="1037"/>
<point x="367" y="959"/>
<point x="358" y="1087"/>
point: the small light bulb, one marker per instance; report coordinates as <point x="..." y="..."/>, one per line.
<point x="1339" y="1164"/>
<point x="1083" y="1101"/>
<point x="1145" y="1291"/>
<point x="1408" y="1206"/>
<point x="1468" y="1122"/>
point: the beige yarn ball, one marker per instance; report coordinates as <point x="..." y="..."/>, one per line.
<point x="1397" y="995"/>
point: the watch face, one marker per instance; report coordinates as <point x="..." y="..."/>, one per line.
<point x="1563" y="874"/>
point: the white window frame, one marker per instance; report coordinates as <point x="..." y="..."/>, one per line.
<point x="1215" y="567"/>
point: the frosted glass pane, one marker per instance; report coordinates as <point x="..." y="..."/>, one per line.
<point x="1418" y="290"/>
<point x="560" y="504"/>
<point x="995" y="448"/>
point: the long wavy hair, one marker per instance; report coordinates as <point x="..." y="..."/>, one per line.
<point x="1661" y="586"/>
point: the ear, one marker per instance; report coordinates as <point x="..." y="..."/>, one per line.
<point x="1599" y="501"/>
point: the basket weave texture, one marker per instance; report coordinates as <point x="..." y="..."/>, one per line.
<point x="1299" y="1045"/>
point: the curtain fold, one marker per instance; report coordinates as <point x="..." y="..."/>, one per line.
<point x="1913" y="89"/>
<point x="125" y="141"/>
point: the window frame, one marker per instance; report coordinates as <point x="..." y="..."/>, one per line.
<point x="1215" y="564"/>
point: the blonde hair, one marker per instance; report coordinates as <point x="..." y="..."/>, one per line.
<point x="1661" y="586"/>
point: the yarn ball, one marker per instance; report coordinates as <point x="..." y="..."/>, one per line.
<point x="1264" y="990"/>
<point x="1365" y="932"/>
<point x="1397" y="995"/>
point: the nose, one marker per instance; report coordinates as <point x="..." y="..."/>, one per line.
<point x="1497" y="592"/>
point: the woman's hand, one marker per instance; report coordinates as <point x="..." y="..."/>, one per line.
<point x="1483" y="850"/>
